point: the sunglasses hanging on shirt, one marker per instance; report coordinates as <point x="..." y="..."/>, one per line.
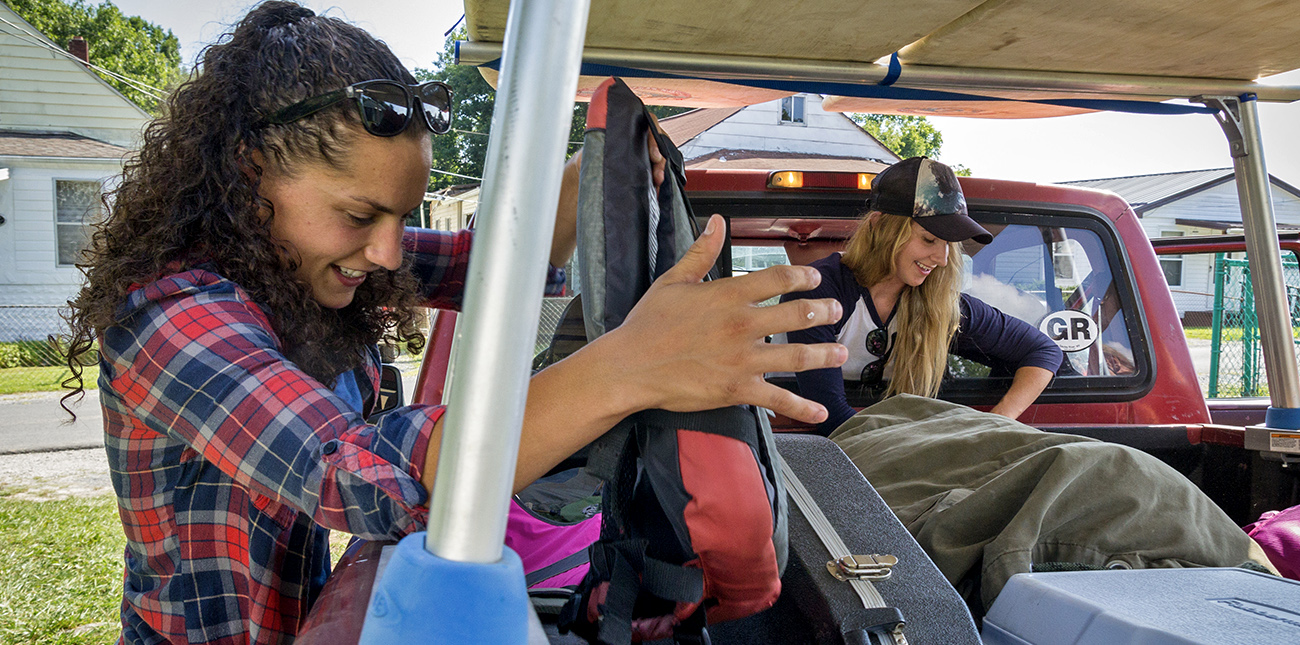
<point x="877" y="345"/>
<point x="385" y="107"/>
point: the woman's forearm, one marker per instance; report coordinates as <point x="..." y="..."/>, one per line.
<point x="1028" y="383"/>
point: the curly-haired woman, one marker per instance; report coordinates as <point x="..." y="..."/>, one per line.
<point x="899" y="282"/>
<point x="254" y="255"/>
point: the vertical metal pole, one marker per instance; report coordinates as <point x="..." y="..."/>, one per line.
<point x="1265" y="257"/>
<point x="503" y="291"/>
<point x="1239" y="118"/>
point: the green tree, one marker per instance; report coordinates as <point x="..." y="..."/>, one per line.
<point x="464" y="149"/>
<point x="905" y="136"/>
<point x="128" y="45"/>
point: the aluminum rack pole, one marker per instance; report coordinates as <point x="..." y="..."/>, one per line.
<point x="932" y="77"/>
<point x="503" y="288"/>
<point x="1239" y="118"/>
<point x="1265" y="258"/>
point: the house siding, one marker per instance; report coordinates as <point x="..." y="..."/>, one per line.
<point x="29" y="270"/>
<point x="1217" y="203"/>
<point x="759" y="127"/>
<point x="45" y="93"/>
<point x="43" y="90"/>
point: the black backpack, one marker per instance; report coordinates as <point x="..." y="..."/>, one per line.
<point x="694" y="511"/>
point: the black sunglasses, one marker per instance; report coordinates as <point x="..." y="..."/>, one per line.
<point x="877" y="344"/>
<point x="385" y="106"/>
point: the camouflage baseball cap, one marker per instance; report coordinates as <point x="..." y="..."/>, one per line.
<point x="926" y="191"/>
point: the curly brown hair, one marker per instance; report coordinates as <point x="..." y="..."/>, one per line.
<point x="189" y="196"/>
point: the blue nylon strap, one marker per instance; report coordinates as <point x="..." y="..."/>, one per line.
<point x="895" y="70"/>
<point x="883" y="91"/>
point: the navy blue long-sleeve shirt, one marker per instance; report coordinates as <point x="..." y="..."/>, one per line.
<point x="984" y="335"/>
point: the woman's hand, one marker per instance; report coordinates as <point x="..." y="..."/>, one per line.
<point x="686" y="346"/>
<point x="690" y="345"/>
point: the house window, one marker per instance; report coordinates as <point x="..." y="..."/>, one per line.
<point x="77" y="208"/>
<point x="1172" y="265"/>
<point x="792" y="109"/>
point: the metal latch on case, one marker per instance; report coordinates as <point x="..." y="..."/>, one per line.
<point x="862" y="567"/>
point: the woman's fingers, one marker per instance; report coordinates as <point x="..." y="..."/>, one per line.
<point x="798" y="357"/>
<point x="658" y="164"/>
<point x="775" y="281"/>
<point x="785" y="402"/>
<point x="798" y="314"/>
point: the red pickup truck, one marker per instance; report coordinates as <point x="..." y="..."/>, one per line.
<point x="1074" y="262"/>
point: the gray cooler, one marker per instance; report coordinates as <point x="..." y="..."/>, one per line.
<point x="1149" y="606"/>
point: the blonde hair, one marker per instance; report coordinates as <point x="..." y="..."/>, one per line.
<point x="927" y="315"/>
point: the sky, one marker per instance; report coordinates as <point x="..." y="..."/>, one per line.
<point x="1042" y="150"/>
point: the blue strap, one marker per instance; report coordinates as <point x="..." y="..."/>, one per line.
<point x="895" y="70"/>
<point x="884" y="91"/>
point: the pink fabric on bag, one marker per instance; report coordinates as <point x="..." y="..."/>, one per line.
<point x="1278" y="533"/>
<point x="540" y="543"/>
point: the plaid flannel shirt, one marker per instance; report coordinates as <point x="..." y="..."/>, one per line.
<point x="230" y="463"/>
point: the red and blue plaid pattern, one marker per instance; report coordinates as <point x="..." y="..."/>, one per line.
<point x="230" y="463"/>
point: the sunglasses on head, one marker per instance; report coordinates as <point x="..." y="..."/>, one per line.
<point x="385" y="106"/>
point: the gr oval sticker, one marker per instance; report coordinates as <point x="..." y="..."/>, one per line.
<point x="1071" y="330"/>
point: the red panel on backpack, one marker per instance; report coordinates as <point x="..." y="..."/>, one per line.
<point x="730" y="522"/>
<point x="599" y="106"/>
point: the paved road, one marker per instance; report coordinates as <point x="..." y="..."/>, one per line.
<point x="36" y="423"/>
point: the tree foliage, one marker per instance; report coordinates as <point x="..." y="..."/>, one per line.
<point x="128" y="45"/>
<point x="905" y="136"/>
<point x="464" y="149"/>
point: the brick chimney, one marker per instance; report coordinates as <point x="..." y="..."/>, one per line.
<point x="77" y="47"/>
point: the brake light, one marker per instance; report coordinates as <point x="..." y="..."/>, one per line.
<point x="785" y="179"/>
<point x="822" y="180"/>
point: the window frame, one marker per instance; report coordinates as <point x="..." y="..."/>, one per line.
<point x="802" y="111"/>
<point x="1172" y="260"/>
<point x="54" y="214"/>
<point x="1073" y="389"/>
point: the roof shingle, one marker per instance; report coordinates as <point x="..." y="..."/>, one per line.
<point x="15" y="143"/>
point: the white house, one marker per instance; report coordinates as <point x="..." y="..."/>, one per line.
<point x="772" y="135"/>
<point x="63" y="134"/>
<point x="1198" y="202"/>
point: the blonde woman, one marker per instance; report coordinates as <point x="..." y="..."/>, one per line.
<point x="899" y="280"/>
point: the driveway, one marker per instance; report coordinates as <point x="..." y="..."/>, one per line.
<point x="36" y="422"/>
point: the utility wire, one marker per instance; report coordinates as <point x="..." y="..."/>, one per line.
<point x="443" y="198"/>
<point x="456" y="174"/>
<point x="484" y="134"/>
<point x="29" y="37"/>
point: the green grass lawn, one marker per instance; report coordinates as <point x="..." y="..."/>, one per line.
<point x="61" y="580"/>
<point x="61" y="571"/>
<point x="1230" y="334"/>
<point x="14" y="380"/>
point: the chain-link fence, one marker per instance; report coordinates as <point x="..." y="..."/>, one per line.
<point x="552" y="313"/>
<point x="29" y="362"/>
<point x="1236" y="356"/>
